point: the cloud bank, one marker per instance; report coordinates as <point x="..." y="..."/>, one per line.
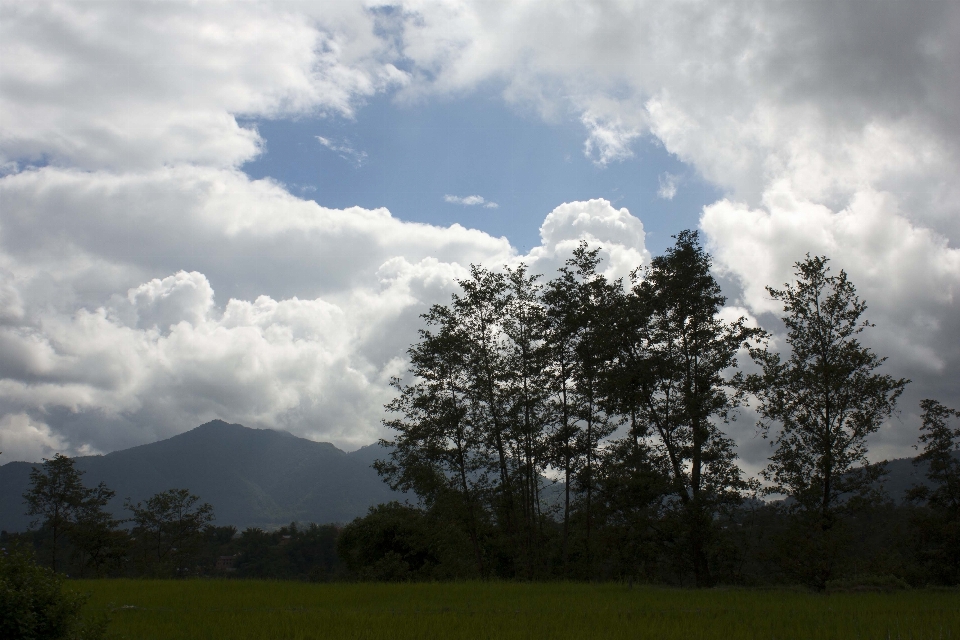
<point x="146" y="284"/>
<point x="108" y="344"/>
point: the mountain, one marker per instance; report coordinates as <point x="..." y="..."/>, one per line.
<point x="252" y="477"/>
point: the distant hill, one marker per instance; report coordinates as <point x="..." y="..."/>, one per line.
<point x="252" y="477"/>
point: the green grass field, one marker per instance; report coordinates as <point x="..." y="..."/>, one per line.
<point x="212" y="609"/>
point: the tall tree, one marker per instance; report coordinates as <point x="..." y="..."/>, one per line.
<point x="95" y="534"/>
<point x="170" y="523"/>
<point x="826" y="398"/>
<point x="468" y="426"/>
<point x="55" y="494"/>
<point x="524" y="326"/>
<point x="578" y="302"/>
<point x="938" y="528"/>
<point x="941" y="445"/>
<point x="479" y="314"/>
<point x="596" y="301"/>
<point x="437" y="451"/>
<point x="676" y="384"/>
<point x="563" y="331"/>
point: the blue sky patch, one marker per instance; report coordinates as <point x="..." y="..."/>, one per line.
<point x="431" y="162"/>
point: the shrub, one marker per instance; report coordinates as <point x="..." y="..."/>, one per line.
<point x="35" y="606"/>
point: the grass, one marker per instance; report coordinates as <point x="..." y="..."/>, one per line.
<point x="235" y="609"/>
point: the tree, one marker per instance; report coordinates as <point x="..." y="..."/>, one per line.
<point x="468" y="425"/>
<point x="939" y="528"/>
<point x="670" y="359"/>
<point x="940" y="448"/>
<point x="392" y="543"/>
<point x="437" y="451"/>
<point x="825" y="398"/>
<point x="170" y="524"/>
<point x="563" y="332"/>
<point x="578" y="302"/>
<point x="55" y="495"/>
<point x="526" y="353"/>
<point x="479" y="312"/>
<point x="95" y="535"/>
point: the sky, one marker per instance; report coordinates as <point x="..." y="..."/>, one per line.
<point x="239" y="210"/>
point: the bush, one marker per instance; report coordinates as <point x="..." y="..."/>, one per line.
<point x="390" y="544"/>
<point x="34" y="605"/>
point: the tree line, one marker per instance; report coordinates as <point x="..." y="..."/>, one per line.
<point x="576" y="428"/>
<point x="169" y="535"/>
<point x="74" y="531"/>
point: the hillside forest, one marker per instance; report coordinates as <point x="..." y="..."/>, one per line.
<point x="576" y="429"/>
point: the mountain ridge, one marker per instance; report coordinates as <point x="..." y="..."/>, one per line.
<point x="252" y="477"/>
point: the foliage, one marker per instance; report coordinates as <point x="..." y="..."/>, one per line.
<point x="825" y="399"/>
<point x="398" y="543"/>
<point x="940" y="447"/>
<point x="515" y="381"/>
<point x="674" y="361"/>
<point x="55" y="495"/>
<point x="469" y="426"/>
<point x="938" y="526"/>
<point x="35" y="606"/>
<point x="168" y="528"/>
<point x="292" y="552"/>
<point x="390" y="544"/>
<point x="97" y="540"/>
<point x="67" y="509"/>
<point x="575" y="429"/>
<point x="576" y="304"/>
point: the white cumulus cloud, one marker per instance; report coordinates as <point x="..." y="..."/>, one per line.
<point x="179" y="295"/>
<point x="123" y="85"/>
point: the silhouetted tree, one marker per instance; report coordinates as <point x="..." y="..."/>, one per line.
<point x="169" y="524"/>
<point x="480" y="311"/>
<point x="578" y="302"/>
<point x="563" y="332"/>
<point x="55" y="495"/>
<point x="940" y="446"/>
<point x="94" y="533"/>
<point x="390" y="544"/>
<point x="437" y="450"/>
<point x="468" y="427"/>
<point x="821" y="403"/>
<point x="676" y="386"/>
<point x="524" y="326"/>
<point x="939" y="529"/>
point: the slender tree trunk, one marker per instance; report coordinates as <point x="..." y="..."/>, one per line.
<point x="589" y="471"/>
<point x="474" y="538"/>
<point x="701" y="570"/>
<point x="566" y="470"/>
<point x="56" y="538"/>
<point x="528" y="475"/>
